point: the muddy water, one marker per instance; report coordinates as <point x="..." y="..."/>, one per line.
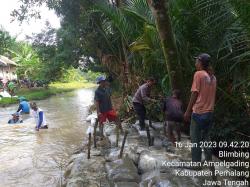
<point x="31" y="158"/>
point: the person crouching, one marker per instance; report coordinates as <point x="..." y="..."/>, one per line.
<point x="39" y="117"/>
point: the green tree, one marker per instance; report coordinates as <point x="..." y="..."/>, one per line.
<point x="28" y="61"/>
<point x="171" y="34"/>
<point x="160" y="10"/>
<point x="6" y="42"/>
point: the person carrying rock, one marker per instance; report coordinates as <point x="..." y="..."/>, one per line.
<point x="104" y="105"/>
<point x="173" y="115"/>
<point x="141" y="97"/>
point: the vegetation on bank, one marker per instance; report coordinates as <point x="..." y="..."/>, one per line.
<point x="43" y="93"/>
<point x="126" y="39"/>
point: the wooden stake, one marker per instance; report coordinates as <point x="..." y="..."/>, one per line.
<point x="89" y="145"/>
<point x="117" y="136"/>
<point x="123" y="143"/>
<point x="96" y="125"/>
<point x="164" y="128"/>
<point x="148" y="135"/>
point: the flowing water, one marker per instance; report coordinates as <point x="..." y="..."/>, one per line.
<point x="31" y="158"/>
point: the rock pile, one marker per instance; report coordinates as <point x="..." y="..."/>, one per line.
<point x="140" y="166"/>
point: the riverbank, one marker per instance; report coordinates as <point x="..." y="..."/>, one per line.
<point x="37" y="158"/>
<point x="141" y="165"/>
<point x="43" y="93"/>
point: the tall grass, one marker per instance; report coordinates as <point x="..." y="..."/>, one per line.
<point x="43" y="93"/>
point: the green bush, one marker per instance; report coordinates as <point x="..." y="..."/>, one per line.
<point x="91" y="76"/>
<point x="71" y="75"/>
<point x="8" y="100"/>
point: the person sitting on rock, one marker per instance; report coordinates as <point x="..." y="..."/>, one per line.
<point x="104" y="105"/>
<point x="39" y="117"/>
<point x="16" y="118"/>
<point x="173" y="115"/>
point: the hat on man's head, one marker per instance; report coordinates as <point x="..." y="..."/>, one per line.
<point x="99" y="79"/>
<point x="204" y="58"/>
<point x="22" y="98"/>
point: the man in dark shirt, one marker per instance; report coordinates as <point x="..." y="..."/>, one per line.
<point x="141" y="97"/>
<point x="174" y="115"/>
<point x="104" y="105"/>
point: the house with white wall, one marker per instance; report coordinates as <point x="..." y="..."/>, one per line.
<point x="7" y="68"/>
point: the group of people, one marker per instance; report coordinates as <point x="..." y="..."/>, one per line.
<point x="199" y="110"/>
<point x="12" y="85"/>
<point x="24" y="109"/>
<point x="8" y="85"/>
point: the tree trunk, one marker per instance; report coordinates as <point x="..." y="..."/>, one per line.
<point x="125" y="69"/>
<point x="160" y="11"/>
<point x="118" y="3"/>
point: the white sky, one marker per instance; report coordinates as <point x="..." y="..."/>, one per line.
<point x="34" y="26"/>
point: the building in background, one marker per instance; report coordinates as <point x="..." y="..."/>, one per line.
<point x="7" y="68"/>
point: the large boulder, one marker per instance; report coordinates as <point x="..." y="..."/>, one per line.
<point x="103" y="143"/>
<point x="154" y="160"/>
<point x="85" y="172"/>
<point x="109" y="129"/>
<point x="132" y="153"/>
<point x="122" y="170"/>
<point x="112" y="155"/>
<point x="168" y="179"/>
<point x="112" y="140"/>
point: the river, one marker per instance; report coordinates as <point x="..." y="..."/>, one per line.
<point x="31" y="158"/>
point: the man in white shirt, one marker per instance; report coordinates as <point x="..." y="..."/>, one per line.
<point x="39" y="117"/>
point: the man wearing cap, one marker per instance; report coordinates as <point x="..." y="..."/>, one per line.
<point x="201" y="106"/>
<point x="104" y="105"/>
<point x="24" y="107"/>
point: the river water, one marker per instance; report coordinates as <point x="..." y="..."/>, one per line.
<point x="31" y="158"/>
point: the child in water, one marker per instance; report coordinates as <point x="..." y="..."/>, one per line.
<point x="39" y="117"/>
<point x="16" y="118"/>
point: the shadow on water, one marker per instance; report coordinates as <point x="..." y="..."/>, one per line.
<point x="31" y="158"/>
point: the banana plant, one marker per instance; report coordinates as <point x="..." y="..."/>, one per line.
<point x="28" y="61"/>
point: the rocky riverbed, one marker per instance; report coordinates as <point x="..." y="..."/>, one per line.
<point x="140" y="166"/>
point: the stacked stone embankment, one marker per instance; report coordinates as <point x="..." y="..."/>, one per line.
<point x="140" y="166"/>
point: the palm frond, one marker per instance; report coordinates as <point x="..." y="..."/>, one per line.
<point x="140" y="8"/>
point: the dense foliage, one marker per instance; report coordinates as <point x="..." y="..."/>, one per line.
<point x="123" y="40"/>
<point x="29" y="65"/>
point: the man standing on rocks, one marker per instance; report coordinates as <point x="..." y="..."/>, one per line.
<point x="201" y="106"/>
<point x="173" y="115"/>
<point x="141" y="97"/>
<point x="104" y="105"/>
